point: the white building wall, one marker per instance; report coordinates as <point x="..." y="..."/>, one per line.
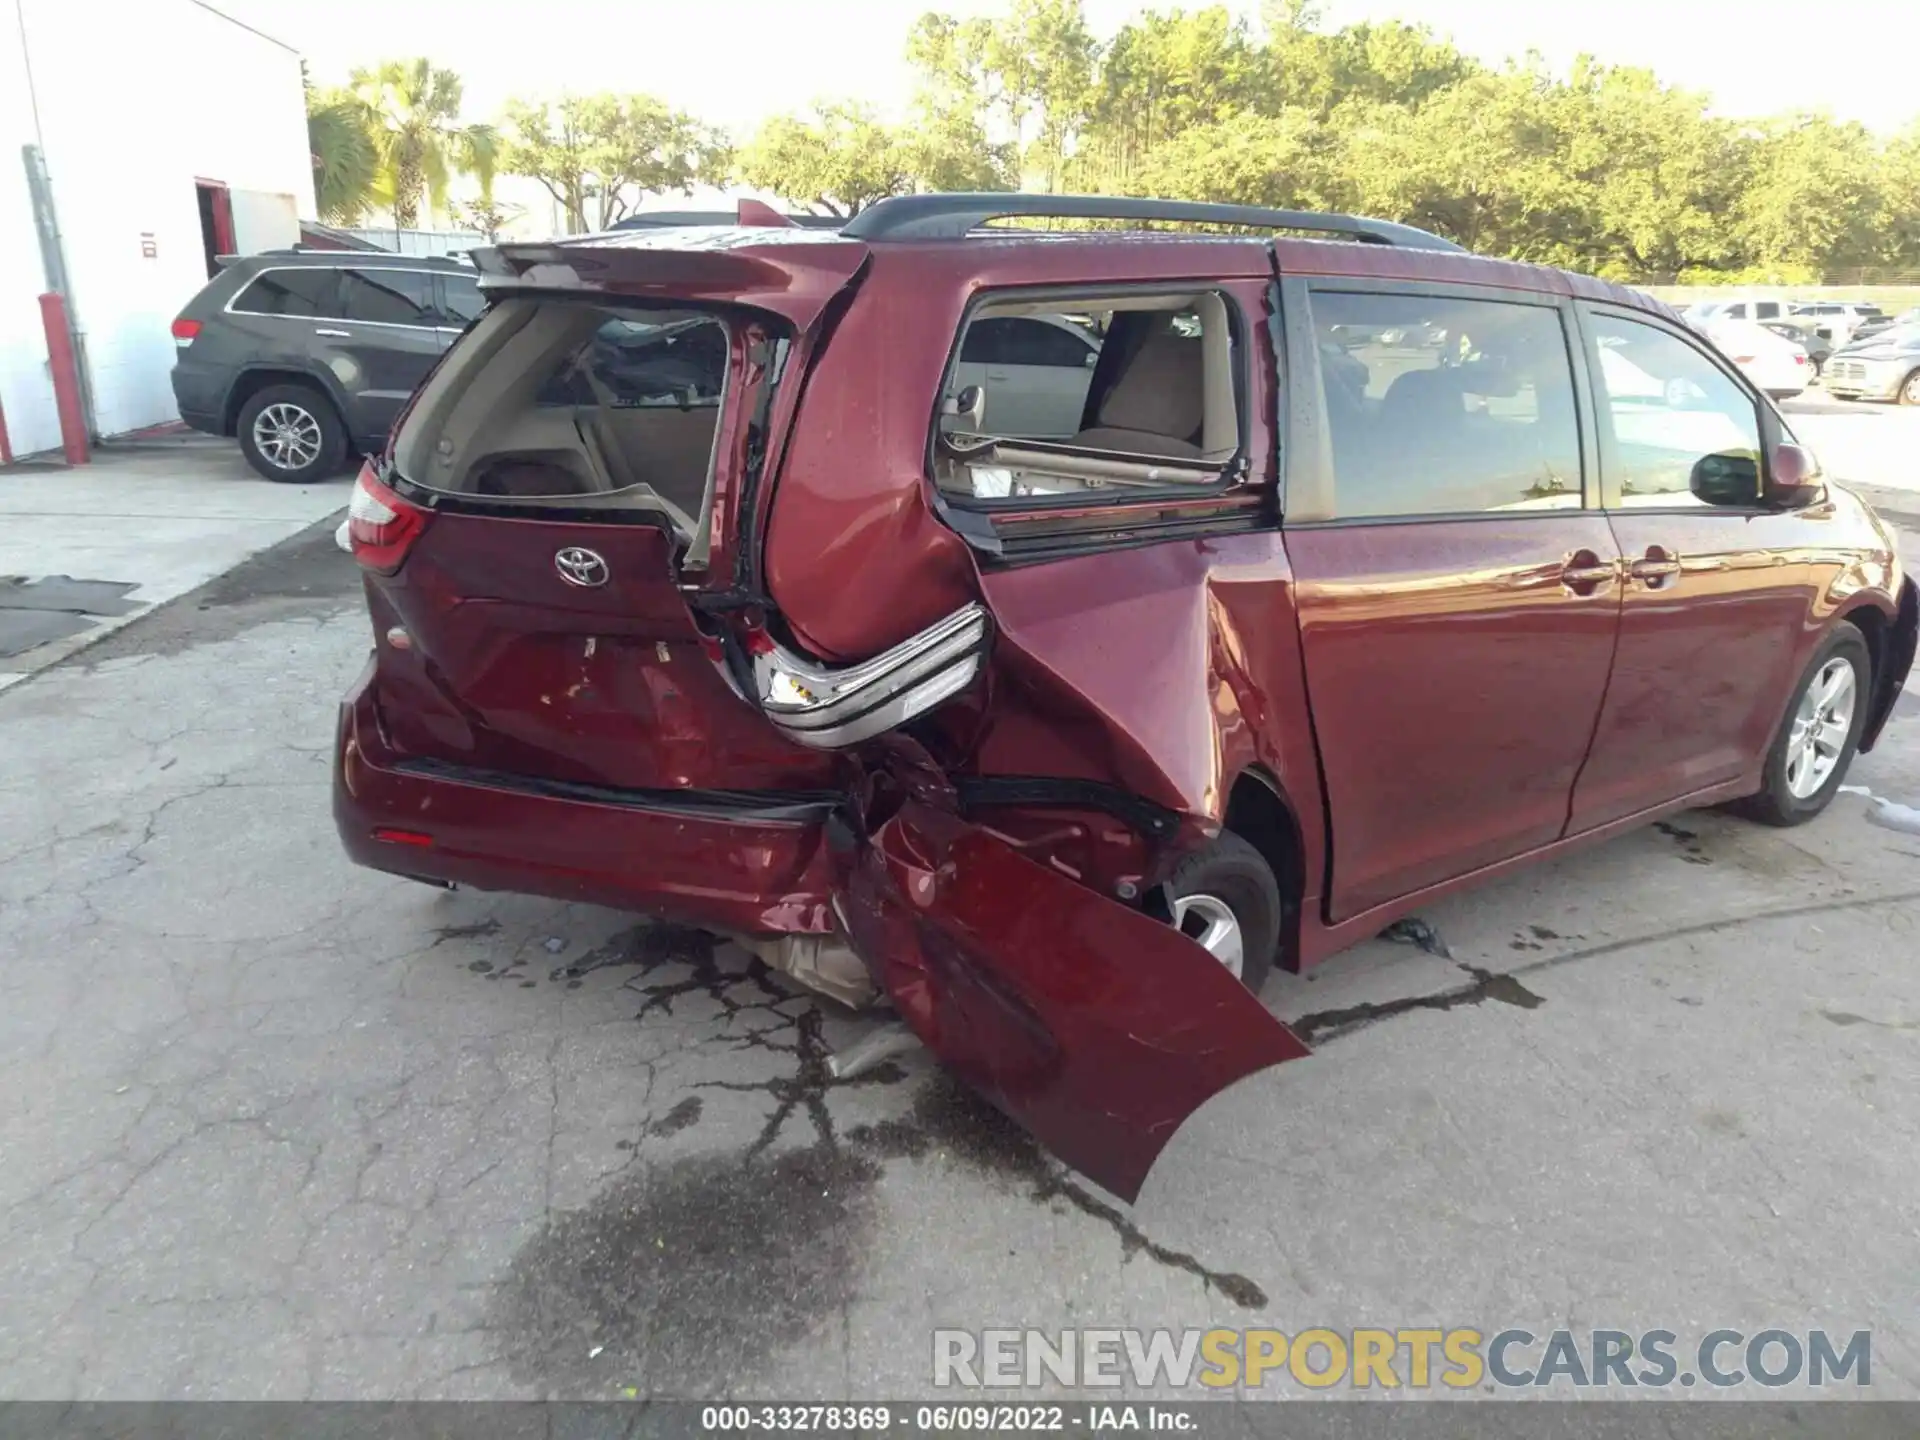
<point x="135" y="103"/>
<point x="26" y="393"/>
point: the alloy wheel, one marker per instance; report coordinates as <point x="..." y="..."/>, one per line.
<point x="1821" y="724"/>
<point x="1210" y="923"/>
<point x="287" y="435"/>
<point x="1910" y="392"/>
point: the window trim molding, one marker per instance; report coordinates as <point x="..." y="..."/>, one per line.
<point x="1234" y="472"/>
<point x="1309" y="486"/>
<point x="448" y="320"/>
<point x="1767" y="423"/>
<point x="337" y="274"/>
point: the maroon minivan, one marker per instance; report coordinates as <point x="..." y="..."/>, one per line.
<point x="1051" y="631"/>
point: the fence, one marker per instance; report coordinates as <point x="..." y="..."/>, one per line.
<point x="420" y="242"/>
<point x="1891" y="298"/>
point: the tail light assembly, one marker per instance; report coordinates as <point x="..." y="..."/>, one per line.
<point x="185" y="332"/>
<point x="381" y="527"/>
<point x="827" y="707"/>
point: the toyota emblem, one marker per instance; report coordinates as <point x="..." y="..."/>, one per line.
<point x="582" y="567"/>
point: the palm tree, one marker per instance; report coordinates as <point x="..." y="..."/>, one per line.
<point x="346" y="164"/>
<point x="418" y="137"/>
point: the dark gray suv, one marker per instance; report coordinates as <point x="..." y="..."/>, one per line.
<point x="307" y="357"/>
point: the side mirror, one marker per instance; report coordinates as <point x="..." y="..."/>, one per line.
<point x="1727" y="478"/>
<point x="1794" y="478"/>
<point x="969" y="401"/>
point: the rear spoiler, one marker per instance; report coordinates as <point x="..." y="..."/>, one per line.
<point x="789" y="270"/>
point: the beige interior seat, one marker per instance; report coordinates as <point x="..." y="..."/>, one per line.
<point x="1159" y="402"/>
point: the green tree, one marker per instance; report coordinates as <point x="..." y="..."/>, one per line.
<point x="1028" y="76"/>
<point x="1811" y="198"/>
<point x="1899" y="184"/>
<point x="599" y="156"/>
<point x="1281" y="160"/>
<point x="418" y="136"/>
<point x="486" y="216"/>
<point x="841" y="158"/>
<point x="949" y="150"/>
<point x="837" y="161"/>
<point x="1660" y="174"/>
<point x="1161" y="78"/>
<point x="346" y="163"/>
<point x="1479" y="163"/>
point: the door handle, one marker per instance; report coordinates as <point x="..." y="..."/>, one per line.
<point x="337" y="334"/>
<point x="1586" y="572"/>
<point x="1657" y="567"/>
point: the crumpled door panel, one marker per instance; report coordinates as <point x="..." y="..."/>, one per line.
<point x="1096" y="1026"/>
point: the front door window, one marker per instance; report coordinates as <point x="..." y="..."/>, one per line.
<point x="1684" y="433"/>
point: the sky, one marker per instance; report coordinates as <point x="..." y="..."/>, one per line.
<point x="735" y="62"/>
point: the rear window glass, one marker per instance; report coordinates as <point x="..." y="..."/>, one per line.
<point x="387" y="297"/>
<point x="574" y="403"/>
<point x="1136" y="390"/>
<point x="630" y="363"/>
<point x="1439" y="406"/>
<point x="310" y="294"/>
<point x="464" y="301"/>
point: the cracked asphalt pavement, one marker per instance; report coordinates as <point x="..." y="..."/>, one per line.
<point x="278" y="1128"/>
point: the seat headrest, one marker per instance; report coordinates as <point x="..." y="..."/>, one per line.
<point x="1424" y="397"/>
<point x="1162" y="390"/>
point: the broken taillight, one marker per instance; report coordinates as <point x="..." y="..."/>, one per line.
<point x="380" y="525"/>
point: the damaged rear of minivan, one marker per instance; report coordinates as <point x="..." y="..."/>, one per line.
<point x="581" y="687"/>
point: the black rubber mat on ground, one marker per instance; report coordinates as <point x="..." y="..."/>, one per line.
<point x="32" y="612"/>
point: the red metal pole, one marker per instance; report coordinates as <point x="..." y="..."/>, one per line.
<point x="66" y="379"/>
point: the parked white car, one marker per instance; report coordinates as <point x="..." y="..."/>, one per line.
<point x="1033" y="370"/>
<point x="1772" y="362"/>
<point x="1832" y="319"/>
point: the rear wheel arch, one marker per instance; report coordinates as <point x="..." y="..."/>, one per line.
<point x="1259" y="812"/>
<point x="252" y="381"/>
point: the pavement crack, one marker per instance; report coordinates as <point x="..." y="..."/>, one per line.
<point x="805" y="1090"/>
<point x="949" y="1120"/>
<point x="1322" y="1026"/>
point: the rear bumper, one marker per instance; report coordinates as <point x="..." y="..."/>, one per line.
<point x="200" y="396"/>
<point x="726" y="861"/>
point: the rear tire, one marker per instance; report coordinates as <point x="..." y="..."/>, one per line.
<point x="1223" y="896"/>
<point x="1809" y="757"/>
<point x="291" y="434"/>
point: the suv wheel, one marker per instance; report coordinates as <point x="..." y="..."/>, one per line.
<point x="291" y="433"/>
<point x="1818" y="735"/>
<point x="1223" y="897"/>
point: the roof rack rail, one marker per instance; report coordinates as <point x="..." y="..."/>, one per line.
<point x="955" y="216"/>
